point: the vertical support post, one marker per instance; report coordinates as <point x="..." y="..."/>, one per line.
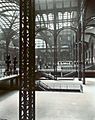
<point x="79" y="41"/>
<point x="55" y="43"/>
<point x="79" y="52"/>
<point x="83" y="39"/>
<point x="46" y="55"/>
<point x="76" y="55"/>
<point x="89" y="57"/>
<point x="83" y="53"/>
<point x="27" y="60"/>
<point x="92" y="53"/>
<point x="73" y="52"/>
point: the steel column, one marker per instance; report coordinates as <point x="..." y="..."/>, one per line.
<point x="79" y="41"/>
<point x="79" y="52"/>
<point x="76" y="55"/>
<point x="83" y="39"/>
<point x="27" y="60"/>
<point x="55" y="42"/>
<point x="83" y="51"/>
<point x="83" y="56"/>
<point x="92" y="53"/>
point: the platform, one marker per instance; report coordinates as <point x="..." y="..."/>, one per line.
<point x="54" y="105"/>
<point x="8" y="77"/>
<point x="62" y="84"/>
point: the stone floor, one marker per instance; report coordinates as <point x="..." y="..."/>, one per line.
<point x="54" y="105"/>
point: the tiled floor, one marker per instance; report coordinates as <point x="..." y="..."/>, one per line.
<point x="54" y="105"/>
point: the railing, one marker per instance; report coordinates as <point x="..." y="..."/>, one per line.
<point x="9" y="82"/>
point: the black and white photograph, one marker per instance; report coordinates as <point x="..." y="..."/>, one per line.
<point x="47" y="59"/>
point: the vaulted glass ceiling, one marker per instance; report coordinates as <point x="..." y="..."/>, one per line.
<point x="60" y="13"/>
<point x="9" y="21"/>
<point x="49" y="4"/>
<point x="9" y="14"/>
<point x="9" y="10"/>
<point x="66" y="12"/>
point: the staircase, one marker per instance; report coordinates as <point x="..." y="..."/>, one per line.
<point x="66" y="86"/>
<point x="42" y="86"/>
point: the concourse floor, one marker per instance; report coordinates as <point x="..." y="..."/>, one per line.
<point x="54" y="105"/>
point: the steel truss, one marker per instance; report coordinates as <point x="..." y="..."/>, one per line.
<point x="27" y="60"/>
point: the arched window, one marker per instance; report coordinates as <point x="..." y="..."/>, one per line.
<point x="50" y="16"/>
<point x="39" y="43"/>
<point x="67" y="15"/>
<point x="59" y="15"/>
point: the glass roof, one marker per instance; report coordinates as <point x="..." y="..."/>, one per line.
<point x="66" y="12"/>
<point x="63" y="13"/>
<point x="9" y="21"/>
<point x="49" y="4"/>
<point x="9" y="14"/>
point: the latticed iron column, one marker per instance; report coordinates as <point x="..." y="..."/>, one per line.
<point x="27" y="60"/>
<point x="79" y="42"/>
<point x="55" y="42"/>
<point x="83" y="40"/>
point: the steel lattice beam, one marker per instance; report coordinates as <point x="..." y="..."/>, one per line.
<point x="27" y="60"/>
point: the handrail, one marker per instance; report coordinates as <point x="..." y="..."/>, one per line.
<point x="9" y="77"/>
<point x="70" y="73"/>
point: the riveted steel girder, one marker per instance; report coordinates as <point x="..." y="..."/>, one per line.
<point x="27" y="60"/>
